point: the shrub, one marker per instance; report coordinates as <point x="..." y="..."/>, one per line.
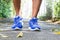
<point x="5" y="10"/>
<point x="57" y="10"/>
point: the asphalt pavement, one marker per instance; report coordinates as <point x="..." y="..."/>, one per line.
<point x="44" y="34"/>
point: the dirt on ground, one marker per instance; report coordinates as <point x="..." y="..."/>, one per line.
<point x="55" y="22"/>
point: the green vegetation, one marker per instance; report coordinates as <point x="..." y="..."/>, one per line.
<point x="48" y="14"/>
<point x="57" y="10"/>
<point x="49" y="11"/>
<point x="5" y="8"/>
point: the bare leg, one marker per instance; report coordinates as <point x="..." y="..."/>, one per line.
<point x="17" y="6"/>
<point x="36" y="6"/>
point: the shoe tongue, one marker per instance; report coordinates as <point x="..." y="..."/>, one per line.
<point x="18" y="17"/>
<point x="34" y="19"/>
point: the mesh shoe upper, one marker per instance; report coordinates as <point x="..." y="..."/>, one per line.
<point x="17" y="22"/>
<point x="33" y="23"/>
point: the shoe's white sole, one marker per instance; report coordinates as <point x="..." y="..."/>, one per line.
<point x="36" y="29"/>
<point x="17" y="28"/>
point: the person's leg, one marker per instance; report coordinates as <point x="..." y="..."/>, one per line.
<point x="35" y="9"/>
<point x="17" y="20"/>
<point x="17" y="4"/>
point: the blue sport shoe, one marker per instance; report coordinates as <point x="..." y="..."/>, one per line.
<point x="33" y="24"/>
<point x="18" y="24"/>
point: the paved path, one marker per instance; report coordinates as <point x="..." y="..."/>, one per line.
<point x="45" y="34"/>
